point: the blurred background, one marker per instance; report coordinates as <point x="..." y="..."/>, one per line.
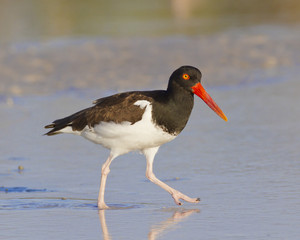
<point x="58" y="44"/>
<point x="57" y="56"/>
<point x="40" y="20"/>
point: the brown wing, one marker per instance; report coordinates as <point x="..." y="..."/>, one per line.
<point x="117" y="108"/>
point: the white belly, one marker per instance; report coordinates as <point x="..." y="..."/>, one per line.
<point x="125" y="137"/>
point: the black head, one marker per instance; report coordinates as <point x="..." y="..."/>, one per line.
<point x="186" y="81"/>
<point x="186" y="77"/>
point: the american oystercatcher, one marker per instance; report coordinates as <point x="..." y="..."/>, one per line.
<point x="139" y="121"/>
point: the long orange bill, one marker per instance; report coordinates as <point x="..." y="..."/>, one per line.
<point x="199" y="90"/>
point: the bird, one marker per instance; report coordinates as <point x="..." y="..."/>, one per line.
<point x="139" y="121"/>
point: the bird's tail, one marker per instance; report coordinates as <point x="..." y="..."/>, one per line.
<point x="61" y="124"/>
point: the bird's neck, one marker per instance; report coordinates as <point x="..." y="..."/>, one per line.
<point x="179" y="94"/>
<point x="173" y="113"/>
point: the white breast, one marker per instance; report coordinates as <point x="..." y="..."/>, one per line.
<point x="125" y="137"/>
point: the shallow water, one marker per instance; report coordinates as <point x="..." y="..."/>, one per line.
<point x="246" y="170"/>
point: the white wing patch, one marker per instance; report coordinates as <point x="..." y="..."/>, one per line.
<point x="142" y="103"/>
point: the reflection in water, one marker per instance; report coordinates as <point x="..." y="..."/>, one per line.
<point x="104" y="228"/>
<point x="178" y="216"/>
<point x="157" y="229"/>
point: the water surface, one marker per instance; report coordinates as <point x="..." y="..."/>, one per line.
<point x="246" y="170"/>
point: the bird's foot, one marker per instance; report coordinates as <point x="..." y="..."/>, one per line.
<point x="178" y="195"/>
<point x="102" y="206"/>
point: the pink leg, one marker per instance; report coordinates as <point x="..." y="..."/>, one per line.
<point x="105" y="233"/>
<point x="150" y="153"/>
<point x="105" y="171"/>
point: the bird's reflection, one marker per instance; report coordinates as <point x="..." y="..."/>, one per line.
<point x="104" y="228"/>
<point x="157" y="229"/>
<point x="177" y="216"/>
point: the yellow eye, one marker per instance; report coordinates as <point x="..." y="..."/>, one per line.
<point x="186" y="76"/>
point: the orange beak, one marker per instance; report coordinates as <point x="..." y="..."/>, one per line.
<point x="200" y="92"/>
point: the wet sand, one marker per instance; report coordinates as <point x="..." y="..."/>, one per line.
<point x="230" y="58"/>
<point x="245" y="171"/>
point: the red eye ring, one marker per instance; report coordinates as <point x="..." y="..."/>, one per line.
<point x="185" y="76"/>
